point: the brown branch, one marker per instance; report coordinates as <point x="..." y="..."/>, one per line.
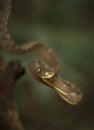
<point x="9" y="74"/>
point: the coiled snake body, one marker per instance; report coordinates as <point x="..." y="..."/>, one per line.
<point x="42" y="72"/>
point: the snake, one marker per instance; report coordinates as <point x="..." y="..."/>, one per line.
<point x="43" y="72"/>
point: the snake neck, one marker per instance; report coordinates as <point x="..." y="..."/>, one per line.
<point x="9" y="45"/>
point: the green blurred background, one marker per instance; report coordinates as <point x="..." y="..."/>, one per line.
<point x="68" y="27"/>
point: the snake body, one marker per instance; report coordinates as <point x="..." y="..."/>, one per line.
<point x="42" y="72"/>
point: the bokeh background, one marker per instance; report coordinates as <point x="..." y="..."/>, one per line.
<point x="68" y="27"/>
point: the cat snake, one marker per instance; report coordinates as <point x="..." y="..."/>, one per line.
<point x="44" y="73"/>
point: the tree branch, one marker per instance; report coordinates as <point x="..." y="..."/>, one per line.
<point x="9" y="74"/>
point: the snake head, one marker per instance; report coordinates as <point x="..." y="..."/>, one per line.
<point x="40" y="70"/>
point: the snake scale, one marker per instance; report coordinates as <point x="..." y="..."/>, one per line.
<point x="45" y="73"/>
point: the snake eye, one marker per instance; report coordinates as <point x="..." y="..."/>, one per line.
<point x="46" y="74"/>
<point x="38" y="70"/>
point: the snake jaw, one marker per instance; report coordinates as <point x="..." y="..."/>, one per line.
<point x="67" y="91"/>
<point x="72" y="98"/>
